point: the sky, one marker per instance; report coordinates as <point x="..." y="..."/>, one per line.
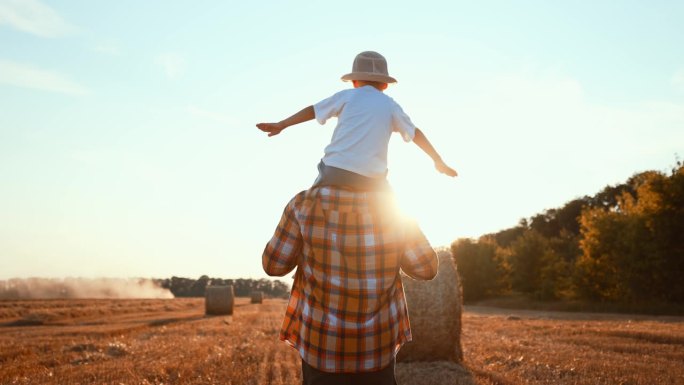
<point x="128" y="145"/>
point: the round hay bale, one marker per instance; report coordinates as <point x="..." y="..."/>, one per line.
<point x="219" y="300"/>
<point x="435" y="309"/>
<point x="257" y="297"/>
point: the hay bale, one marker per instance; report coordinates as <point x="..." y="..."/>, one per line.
<point x="435" y="309"/>
<point x="219" y="300"/>
<point x="257" y="296"/>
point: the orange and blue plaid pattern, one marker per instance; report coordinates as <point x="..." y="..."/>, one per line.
<point x="347" y="311"/>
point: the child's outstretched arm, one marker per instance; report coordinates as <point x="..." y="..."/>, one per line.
<point x="302" y="116"/>
<point x="424" y="144"/>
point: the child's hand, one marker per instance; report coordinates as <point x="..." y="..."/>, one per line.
<point x="444" y="169"/>
<point x="271" y="128"/>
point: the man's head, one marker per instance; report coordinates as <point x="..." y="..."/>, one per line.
<point x="369" y="66"/>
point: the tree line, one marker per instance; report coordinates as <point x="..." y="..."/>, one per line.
<point x="42" y="288"/>
<point x="625" y="243"/>
<point x="188" y="287"/>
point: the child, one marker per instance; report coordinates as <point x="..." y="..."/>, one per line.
<point x="357" y="154"/>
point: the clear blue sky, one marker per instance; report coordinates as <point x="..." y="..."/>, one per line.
<point x="127" y="138"/>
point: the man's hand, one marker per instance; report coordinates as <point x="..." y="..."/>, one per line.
<point x="271" y="128"/>
<point x="444" y="169"/>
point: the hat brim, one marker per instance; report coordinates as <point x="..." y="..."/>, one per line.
<point x="369" y="77"/>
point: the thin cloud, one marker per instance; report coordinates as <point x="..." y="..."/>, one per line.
<point x="108" y="48"/>
<point x="22" y="75"/>
<point x="34" y="17"/>
<point x="172" y="64"/>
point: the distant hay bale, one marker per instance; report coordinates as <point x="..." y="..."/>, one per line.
<point x="219" y="300"/>
<point x="435" y="309"/>
<point x="257" y="296"/>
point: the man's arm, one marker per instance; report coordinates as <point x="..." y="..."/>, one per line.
<point x="419" y="260"/>
<point x="424" y="144"/>
<point x="302" y="116"/>
<point x="282" y="252"/>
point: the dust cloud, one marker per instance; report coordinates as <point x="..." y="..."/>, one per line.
<point x="50" y="288"/>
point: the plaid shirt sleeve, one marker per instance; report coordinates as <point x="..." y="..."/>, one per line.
<point x="419" y="260"/>
<point x="283" y="251"/>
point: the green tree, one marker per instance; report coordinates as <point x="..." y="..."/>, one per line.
<point x="477" y="267"/>
<point x="525" y="260"/>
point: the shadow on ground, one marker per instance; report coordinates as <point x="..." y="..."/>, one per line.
<point x="432" y="373"/>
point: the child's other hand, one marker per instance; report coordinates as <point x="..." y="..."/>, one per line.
<point x="444" y="169"/>
<point x="271" y="128"/>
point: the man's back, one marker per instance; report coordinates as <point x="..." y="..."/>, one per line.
<point x="347" y="311"/>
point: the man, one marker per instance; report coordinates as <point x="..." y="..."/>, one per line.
<point x="347" y="315"/>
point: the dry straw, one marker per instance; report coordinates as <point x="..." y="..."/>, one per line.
<point x="257" y="296"/>
<point x="435" y="309"/>
<point x="219" y="300"/>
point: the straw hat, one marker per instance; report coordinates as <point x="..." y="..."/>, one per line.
<point x="369" y="66"/>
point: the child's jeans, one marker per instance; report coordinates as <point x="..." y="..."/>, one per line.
<point x="333" y="176"/>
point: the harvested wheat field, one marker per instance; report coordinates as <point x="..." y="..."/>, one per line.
<point x="173" y="342"/>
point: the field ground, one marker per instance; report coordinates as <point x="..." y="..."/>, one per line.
<point x="172" y="342"/>
<point x="520" y="301"/>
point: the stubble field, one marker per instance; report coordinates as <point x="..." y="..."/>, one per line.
<point x="172" y="342"/>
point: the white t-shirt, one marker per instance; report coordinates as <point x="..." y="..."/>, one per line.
<point x="366" y="118"/>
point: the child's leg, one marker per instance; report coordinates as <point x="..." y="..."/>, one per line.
<point x="333" y="176"/>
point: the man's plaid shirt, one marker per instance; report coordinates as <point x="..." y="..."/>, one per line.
<point x="347" y="310"/>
